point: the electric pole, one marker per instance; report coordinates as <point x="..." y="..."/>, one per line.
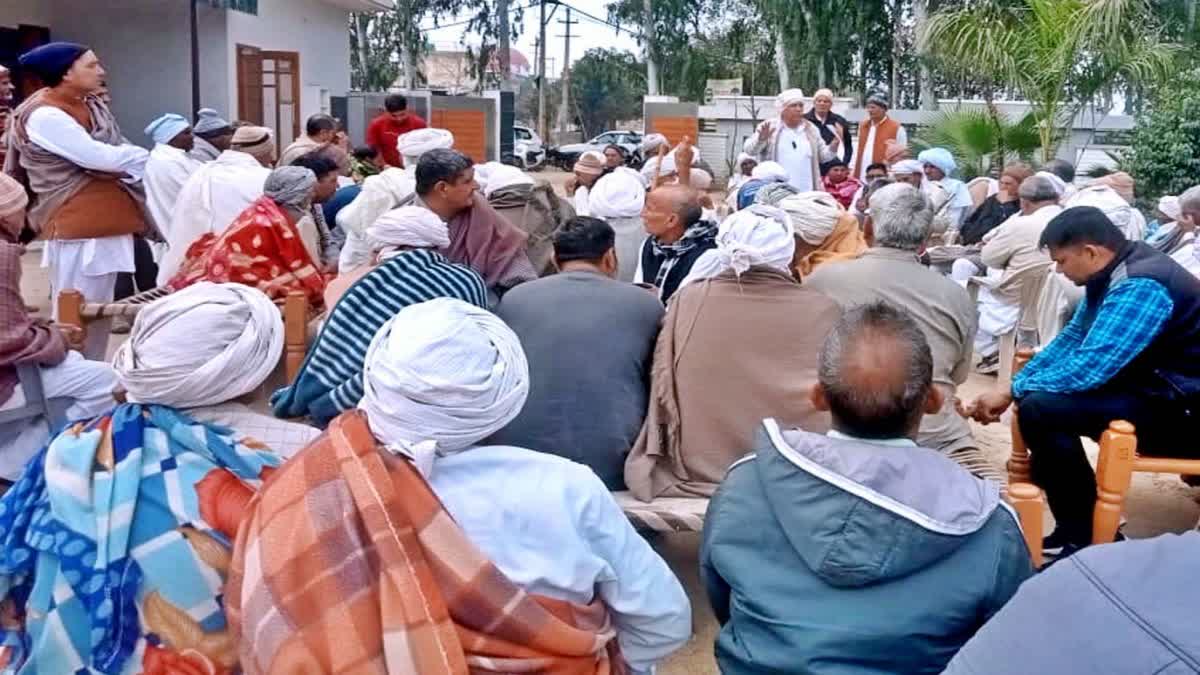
<point x="564" y="111"/>
<point x="541" y="120"/>
<point x="505" y="47"/>
<point x="648" y="33"/>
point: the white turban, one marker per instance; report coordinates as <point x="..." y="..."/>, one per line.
<point x="620" y="194"/>
<point x="1060" y="186"/>
<point x="494" y="176"/>
<point x="413" y="226"/>
<point x="939" y="157"/>
<point x="200" y="346"/>
<point x="788" y="97"/>
<point x="769" y="171"/>
<point x="1127" y="219"/>
<point x="813" y="215"/>
<point x="907" y="166"/>
<point x="758" y="235"/>
<point x="439" y="377"/>
<point x="1169" y="206"/>
<point x="420" y="141"/>
<point x="652" y="142"/>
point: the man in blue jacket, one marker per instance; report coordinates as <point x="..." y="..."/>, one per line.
<point x="857" y="551"/>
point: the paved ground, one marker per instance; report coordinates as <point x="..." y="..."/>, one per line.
<point x="1158" y="503"/>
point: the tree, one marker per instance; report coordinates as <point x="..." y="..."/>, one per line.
<point x="1057" y="54"/>
<point x="606" y="87"/>
<point x="979" y="140"/>
<point x="1164" y="149"/>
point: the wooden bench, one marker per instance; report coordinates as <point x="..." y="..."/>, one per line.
<point x="73" y="311"/>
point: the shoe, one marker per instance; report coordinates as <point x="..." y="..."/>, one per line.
<point x="1063" y="553"/>
<point x="1053" y="545"/>
<point x="989" y="365"/>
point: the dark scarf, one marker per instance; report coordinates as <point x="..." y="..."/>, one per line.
<point x="702" y="232"/>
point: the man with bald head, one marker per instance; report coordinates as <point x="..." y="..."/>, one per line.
<point x="816" y="546"/>
<point x="678" y="237"/>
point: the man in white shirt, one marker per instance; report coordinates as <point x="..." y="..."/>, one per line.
<point x="794" y="142"/>
<point x="169" y="166"/>
<point x="85" y="180"/>
<point x="875" y="134"/>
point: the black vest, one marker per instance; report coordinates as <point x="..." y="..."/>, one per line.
<point x="1170" y="365"/>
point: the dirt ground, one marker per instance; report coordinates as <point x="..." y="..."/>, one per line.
<point x="1158" y="503"/>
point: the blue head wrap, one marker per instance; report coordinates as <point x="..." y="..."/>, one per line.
<point x="163" y="129"/>
<point x="939" y="157"/>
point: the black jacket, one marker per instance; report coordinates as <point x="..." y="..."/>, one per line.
<point x="827" y="133"/>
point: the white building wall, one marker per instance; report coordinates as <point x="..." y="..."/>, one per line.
<point x="316" y="29"/>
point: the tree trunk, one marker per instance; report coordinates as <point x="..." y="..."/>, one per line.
<point x="651" y="54"/>
<point x="505" y="53"/>
<point x="781" y="59"/>
<point x="409" y="48"/>
<point x="362" y="25"/>
<point x="897" y="48"/>
<point x="924" y="79"/>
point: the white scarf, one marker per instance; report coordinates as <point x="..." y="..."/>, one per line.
<point x="758" y="235"/>
<point x="203" y="345"/>
<point x="167" y="170"/>
<point x="441" y="376"/>
<point x="814" y="215"/>
<point x="620" y="194"/>
<point x="413" y="226"/>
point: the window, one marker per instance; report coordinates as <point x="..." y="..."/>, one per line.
<point x="522" y="134"/>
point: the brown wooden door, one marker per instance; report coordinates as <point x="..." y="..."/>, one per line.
<point x="269" y="91"/>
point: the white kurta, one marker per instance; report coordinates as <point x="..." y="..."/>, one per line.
<point x="868" y="153"/>
<point x="166" y="173"/>
<point x="552" y="527"/>
<point x="87" y="265"/>
<point x="210" y="200"/>
<point x="795" y="154"/>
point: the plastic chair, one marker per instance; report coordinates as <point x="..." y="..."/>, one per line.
<point x="72" y="310"/>
<point x="1027" y="284"/>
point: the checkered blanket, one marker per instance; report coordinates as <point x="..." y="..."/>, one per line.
<point x="114" y="544"/>
<point x="348" y="565"/>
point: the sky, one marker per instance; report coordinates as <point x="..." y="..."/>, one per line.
<point x="585" y="35"/>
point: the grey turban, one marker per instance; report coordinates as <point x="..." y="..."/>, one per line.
<point x="291" y="186"/>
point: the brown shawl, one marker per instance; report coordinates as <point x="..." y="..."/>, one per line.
<point x="846" y="241"/>
<point x="348" y="563"/>
<point x="23" y="339"/>
<point x="53" y="181"/>
<point x="483" y="240"/>
<point x="538" y="212"/>
<point x="732" y="352"/>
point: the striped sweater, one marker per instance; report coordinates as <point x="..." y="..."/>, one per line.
<point x="330" y="381"/>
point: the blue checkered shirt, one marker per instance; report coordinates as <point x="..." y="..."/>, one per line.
<point x="1132" y="314"/>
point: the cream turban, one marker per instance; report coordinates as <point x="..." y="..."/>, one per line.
<point x="494" y="176"/>
<point x="907" y="166"/>
<point x="827" y="93"/>
<point x="1060" y="186"/>
<point x="1168" y="205"/>
<point x="814" y="215"/>
<point x="203" y="345"/>
<point x="758" y="235"/>
<point x="620" y="194"/>
<point x="1127" y="219"/>
<point x="651" y="143"/>
<point x="439" y="377"/>
<point x="1121" y="182"/>
<point x="13" y="197"/>
<point x="413" y="226"/>
<point x="258" y="142"/>
<point x="699" y="178"/>
<point x="769" y="171"/>
<point x="788" y="97"/>
<point x="420" y="141"/>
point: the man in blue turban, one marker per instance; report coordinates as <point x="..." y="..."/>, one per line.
<point x="939" y="164"/>
<point x="169" y="167"/>
<point x="67" y="150"/>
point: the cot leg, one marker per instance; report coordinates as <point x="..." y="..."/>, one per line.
<point x="295" y="328"/>
<point x="1027" y="500"/>
<point x="1114" y="472"/>
<point x="1018" y="462"/>
<point x="70" y="310"/>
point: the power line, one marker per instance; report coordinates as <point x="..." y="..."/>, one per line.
<point x="467" y="21"/>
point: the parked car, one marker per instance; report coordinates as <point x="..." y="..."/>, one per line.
<point x="565" y="155"/>
<point x="528" y="149"/>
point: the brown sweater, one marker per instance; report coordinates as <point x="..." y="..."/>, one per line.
<point x="23" y="339"/>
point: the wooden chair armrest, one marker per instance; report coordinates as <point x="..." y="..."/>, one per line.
<point x="1027" y="501"/>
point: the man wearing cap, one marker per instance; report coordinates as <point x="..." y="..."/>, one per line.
<point x="216" y="193"/>
<point x="795" y="142"/>
<point x="588" y="169"/>
<point x="65" y="147"/>
<point x="875" y="134"/>
<point x="169" y="166"/>
<point x="830" y="124"/>
<point x="937" y="164"/>
<point x="213" y="135"/>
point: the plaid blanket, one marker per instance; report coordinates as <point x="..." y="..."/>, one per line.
<point x="345" y="565"/>
<point x="114" y="542"/>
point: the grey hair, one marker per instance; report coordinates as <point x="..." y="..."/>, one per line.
<point x="902" y="216"/>
<point x="1189" y="201"/>
<point x="291" y="186"/>
<point x="440" y="165"/>
<point x="1037" y="189"/>
<point x="863" y="403"/>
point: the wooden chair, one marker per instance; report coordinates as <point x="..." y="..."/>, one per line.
<point x="72" y="310"/>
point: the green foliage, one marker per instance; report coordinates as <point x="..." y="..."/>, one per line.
<point x="1058" y="54"/>
<point x="979" y="139"/>
<point x="1164" y="152"/>
<point x="606" y="87"/>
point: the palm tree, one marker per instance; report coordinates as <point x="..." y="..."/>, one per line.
<point x="1057" y="54"/>
<point x="979" y="139"/>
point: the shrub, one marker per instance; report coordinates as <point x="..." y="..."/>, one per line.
<point x="1164" y="152"/>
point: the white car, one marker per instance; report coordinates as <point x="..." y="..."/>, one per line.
<point x="527" y="148"/>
